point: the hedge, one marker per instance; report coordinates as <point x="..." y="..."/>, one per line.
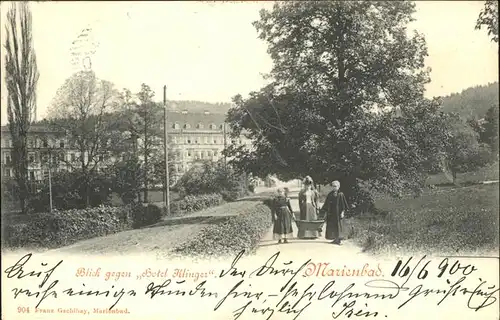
<point x="240" y="232"/>
<point x="192" y="203"/>
<point x="145" y="216"/>
<point x="61" y="228"/>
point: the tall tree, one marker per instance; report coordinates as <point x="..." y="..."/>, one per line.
<point x="146" y="109"/>
<point x="82" y="108"/>
<point x="21" y="77"/>
<point x="346" y="97"/>
<point x="488" y="17"/>
<point x="143" y="120"/>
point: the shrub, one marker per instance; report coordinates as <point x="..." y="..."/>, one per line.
<point x="126" y="179"/>
<point x="145" y="216"/>
<point x="240" y="232"/>
<point x="61" y="228"/>
<point x="192" y="203"/>
<point x="68" y="192"/>
<point x="251" y="188"/>
<point x="212" y="177"/>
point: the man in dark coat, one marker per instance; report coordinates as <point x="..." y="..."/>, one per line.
<point x="334" y="207"/>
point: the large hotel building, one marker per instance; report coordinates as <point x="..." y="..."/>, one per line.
<point x="193" y="136"/>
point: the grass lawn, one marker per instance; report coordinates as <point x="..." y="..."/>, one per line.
<point x="444" y="220"/>
<point x="487" y="173"/>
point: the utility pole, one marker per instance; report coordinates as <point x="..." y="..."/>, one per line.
<point x="166" y="187"/>
<point x="49" y="167"/>
<point x="225" y="158"/>
<point x="50" y="189"/>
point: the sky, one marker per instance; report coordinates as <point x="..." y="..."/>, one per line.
<point x="211" y="52"/>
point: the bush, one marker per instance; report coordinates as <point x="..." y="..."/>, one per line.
<point x="212" y="177"/>
<point x="240" y="232"/>
<point x="145" y="216"/>
<point x="61" y="228"/>
<point x="192" y="203"/>
<point x="68" y="192"/>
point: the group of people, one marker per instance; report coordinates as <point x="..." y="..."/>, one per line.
<point x="332" y="212"/>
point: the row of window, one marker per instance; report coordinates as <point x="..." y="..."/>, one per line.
<point x="33" y="157"/>
<point x="202" y="154"/>
<point x="201" y="140"/>
<point x="34" y="143"/>
<point x="212" y="126"/>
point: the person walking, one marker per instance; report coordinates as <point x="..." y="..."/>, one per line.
<point x="335" y="206"/>
<point x="308" y="204"/>
<point x="282" y="217"/>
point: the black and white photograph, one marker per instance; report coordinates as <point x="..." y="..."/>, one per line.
<point x="260" y="157"/>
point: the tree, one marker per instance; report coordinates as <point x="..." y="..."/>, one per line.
<point x="209" y="177"/>
<point x="158" y="163"/>
<point x="462" y="150"/>
<point x="82" y="109"/>
<point x="488" y="17"/>
<point x="21" y="78"/>
<point x="347" y="87"/>
<point x="490" y="132"/>
<point x="143" y="119"/>
<point x="125" y="181"/>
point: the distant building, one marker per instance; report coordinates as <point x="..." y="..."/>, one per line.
<point x="41" y="140"/>
<point x="193" y="137"/>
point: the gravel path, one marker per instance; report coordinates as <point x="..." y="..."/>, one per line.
<point x="160" y="238"/>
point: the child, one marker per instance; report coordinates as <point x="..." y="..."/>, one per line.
<point x="283" y="216"/>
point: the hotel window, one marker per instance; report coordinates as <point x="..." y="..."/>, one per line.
<point x="73" y="157"/>
<point x="61" y="144"/>
<point x="45" y="143"/>
<point x="200" y="126"/>
<point x="189" y="153"/>
<point x="213" y="126"/>
<point x="31" y="157"/>
<point x="196" y="140"/>
<point x="32" y="175"/>
<point x="11" y="144"/>
<point x="210" y="154"/>
<point x="206" y="140"/>
<point x="30" y="143"/>
<point x="174" y="139"/>
<point x="188" y="140"/>
<point x="176" y="126"/>
<point x="6" y="172"/>
<point x="221" y="126"/>
<point x="187" y="126"/>
<point x="215" y="140"/>
<point x="7" y="158"/>
<point x="215" y="153"/>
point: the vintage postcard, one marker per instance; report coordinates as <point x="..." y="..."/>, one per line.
<point x="250" y="160"/>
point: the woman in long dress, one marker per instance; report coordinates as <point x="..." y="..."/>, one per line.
<point x="335" y="205"/>
<point x="282" y="217"/>
<point x="308" y="204"/>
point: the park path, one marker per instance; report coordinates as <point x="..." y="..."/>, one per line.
<point x="315" y="249"/>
